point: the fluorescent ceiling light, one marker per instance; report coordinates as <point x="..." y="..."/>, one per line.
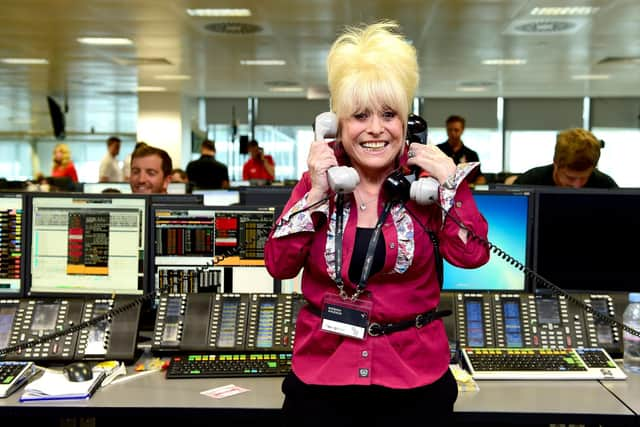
<point x="173" y="77"/>
<point x="565" y="11"/>
<point x="504" y="61"/>
<point x="263" y="62"/>
<point x="151" y="89"/>
<point x="286" y="89"/>
<point x="25" y="61"/>
<point x="591" y="77"/>
<point x="105" y="41"/>
<point x="471" y="89"/>
<point x="219" y="12"/>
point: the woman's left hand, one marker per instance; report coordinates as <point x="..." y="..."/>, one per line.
<point x="432" y="160"/>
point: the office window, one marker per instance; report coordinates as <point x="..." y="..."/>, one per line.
<point x="527" y="149"/>
<point x="618" y="158"/>
<point x="15" y="160"/>
<point x="486" y="142"/>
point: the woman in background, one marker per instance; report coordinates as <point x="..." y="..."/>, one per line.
<point x="62" y="164"/>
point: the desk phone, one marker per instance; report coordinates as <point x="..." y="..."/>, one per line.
<point x="522" y="320"/>
<point x="28" y="319"/>
<point x="226" y="322"/>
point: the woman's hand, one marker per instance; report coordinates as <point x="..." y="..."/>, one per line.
<point x="321" y="158"/>
<point x="432" y="160"/>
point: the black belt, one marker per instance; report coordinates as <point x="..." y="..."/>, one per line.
<point x="376" y="329"/>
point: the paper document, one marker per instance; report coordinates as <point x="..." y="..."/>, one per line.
<point x="55" y="386"/>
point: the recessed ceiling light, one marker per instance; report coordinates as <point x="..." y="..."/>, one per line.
<point x="591" y="77"/>
<point x="219" y="12"/>
<point x="173" y="77"/>
<point x="504" y="61"/>
<point x="286" y="89"/>
<point x="105" y="41"/>
<point x="25" y="61"/>
<point x="263" y="62"/>
<point x="565" y="11"/>
<point x="151" y="89"/>
<point x="471" y="89"/>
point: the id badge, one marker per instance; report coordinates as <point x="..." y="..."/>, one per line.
<point x="345" y="317"/>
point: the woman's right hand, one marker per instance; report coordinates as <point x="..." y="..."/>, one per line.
<point x="321" y="158"/>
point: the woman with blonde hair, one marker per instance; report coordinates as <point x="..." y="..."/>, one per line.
<point x="370" y="346"/>
<point x="62" y="164"/>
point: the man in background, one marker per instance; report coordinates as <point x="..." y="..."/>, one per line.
<point x="109" y="168"/>
<point x="460" y="153"/>
<point x="259" y="165"/>
<point x="150" y="170"/>
<point x="179" y="175"/>
<point x="574" y="164"/>
<point x="207" y="172"/>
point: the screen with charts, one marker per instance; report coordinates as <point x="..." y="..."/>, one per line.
<point x="579" y="235"/>
<point x="87" y="244"/>
<point x="509" y="215"/>
<point x="186" y="238"/>
<point x="11" y="259"/>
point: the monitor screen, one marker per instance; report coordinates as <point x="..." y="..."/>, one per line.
<point x="219" y="197"/>
<point x="186" y="238"/>
<point x="509" y="215"/>
<point x="578" y="239"/>
<point x="87" y="244"/>
<point x="11" y="259"/>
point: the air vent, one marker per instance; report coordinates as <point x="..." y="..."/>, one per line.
<point x="620" y="60"/>
<point x="281" y="83"/>
<point x="233" y="28"/>
<point x="138" y="61"/>
<point x="544" y="26"/>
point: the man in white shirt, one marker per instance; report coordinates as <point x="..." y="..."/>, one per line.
<point x="109" y="168"/>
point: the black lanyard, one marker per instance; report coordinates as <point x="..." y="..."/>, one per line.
<point x="371" y="249"/>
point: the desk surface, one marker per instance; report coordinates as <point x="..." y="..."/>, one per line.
<point x="628" y="391"/>
<point x="515" y="401"/>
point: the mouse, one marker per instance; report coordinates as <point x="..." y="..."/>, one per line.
<point x="77" y="372"/>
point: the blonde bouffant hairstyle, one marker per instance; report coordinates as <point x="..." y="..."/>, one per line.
<point x="66" y="154"/>
<point x="372" y="67"/>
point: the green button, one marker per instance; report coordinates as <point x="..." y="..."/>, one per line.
<point x="272" y="364"/>
<point x="8" y="379"/>
<point x="195" y="372"/>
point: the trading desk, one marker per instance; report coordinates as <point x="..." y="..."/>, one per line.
<point x="176" y="402"/>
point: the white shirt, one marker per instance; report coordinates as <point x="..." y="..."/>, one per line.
<point x="110" y="168"/>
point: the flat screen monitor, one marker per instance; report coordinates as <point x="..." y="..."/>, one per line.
<point x="510" y="216"/>
<point x="125" y="188"/>
<point x="186" y="238"/>
<point x="87" y="244"/>
<point x="580" y="235"/>
<point x="11" y="244"/>
<point x="219" y="197"/>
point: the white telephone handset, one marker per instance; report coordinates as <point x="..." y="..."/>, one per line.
<point x="425" y="189"/>
<point x="342" y="179"/>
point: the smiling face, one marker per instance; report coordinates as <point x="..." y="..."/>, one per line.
<point x="373" y="139"/>
<point x="147" y="176"/>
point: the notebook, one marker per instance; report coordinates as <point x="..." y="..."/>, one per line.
<point x="55" y="386"/>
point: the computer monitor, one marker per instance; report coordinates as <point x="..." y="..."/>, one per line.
<point x="11" y="244"/>
<point x="579" y="239"/>
<point x="510" y="217"/>
<point x="100" y="187"/>
<point x="87" y="244"/>
<point x="219" y="197"/>
<point x="125" y="188"/>
<point x="186" y="238"/>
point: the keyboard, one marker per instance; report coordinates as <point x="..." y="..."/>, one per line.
<point x="229" y="365"/>
<point x="541" y="364"/>
<point x="13" y="375"/>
